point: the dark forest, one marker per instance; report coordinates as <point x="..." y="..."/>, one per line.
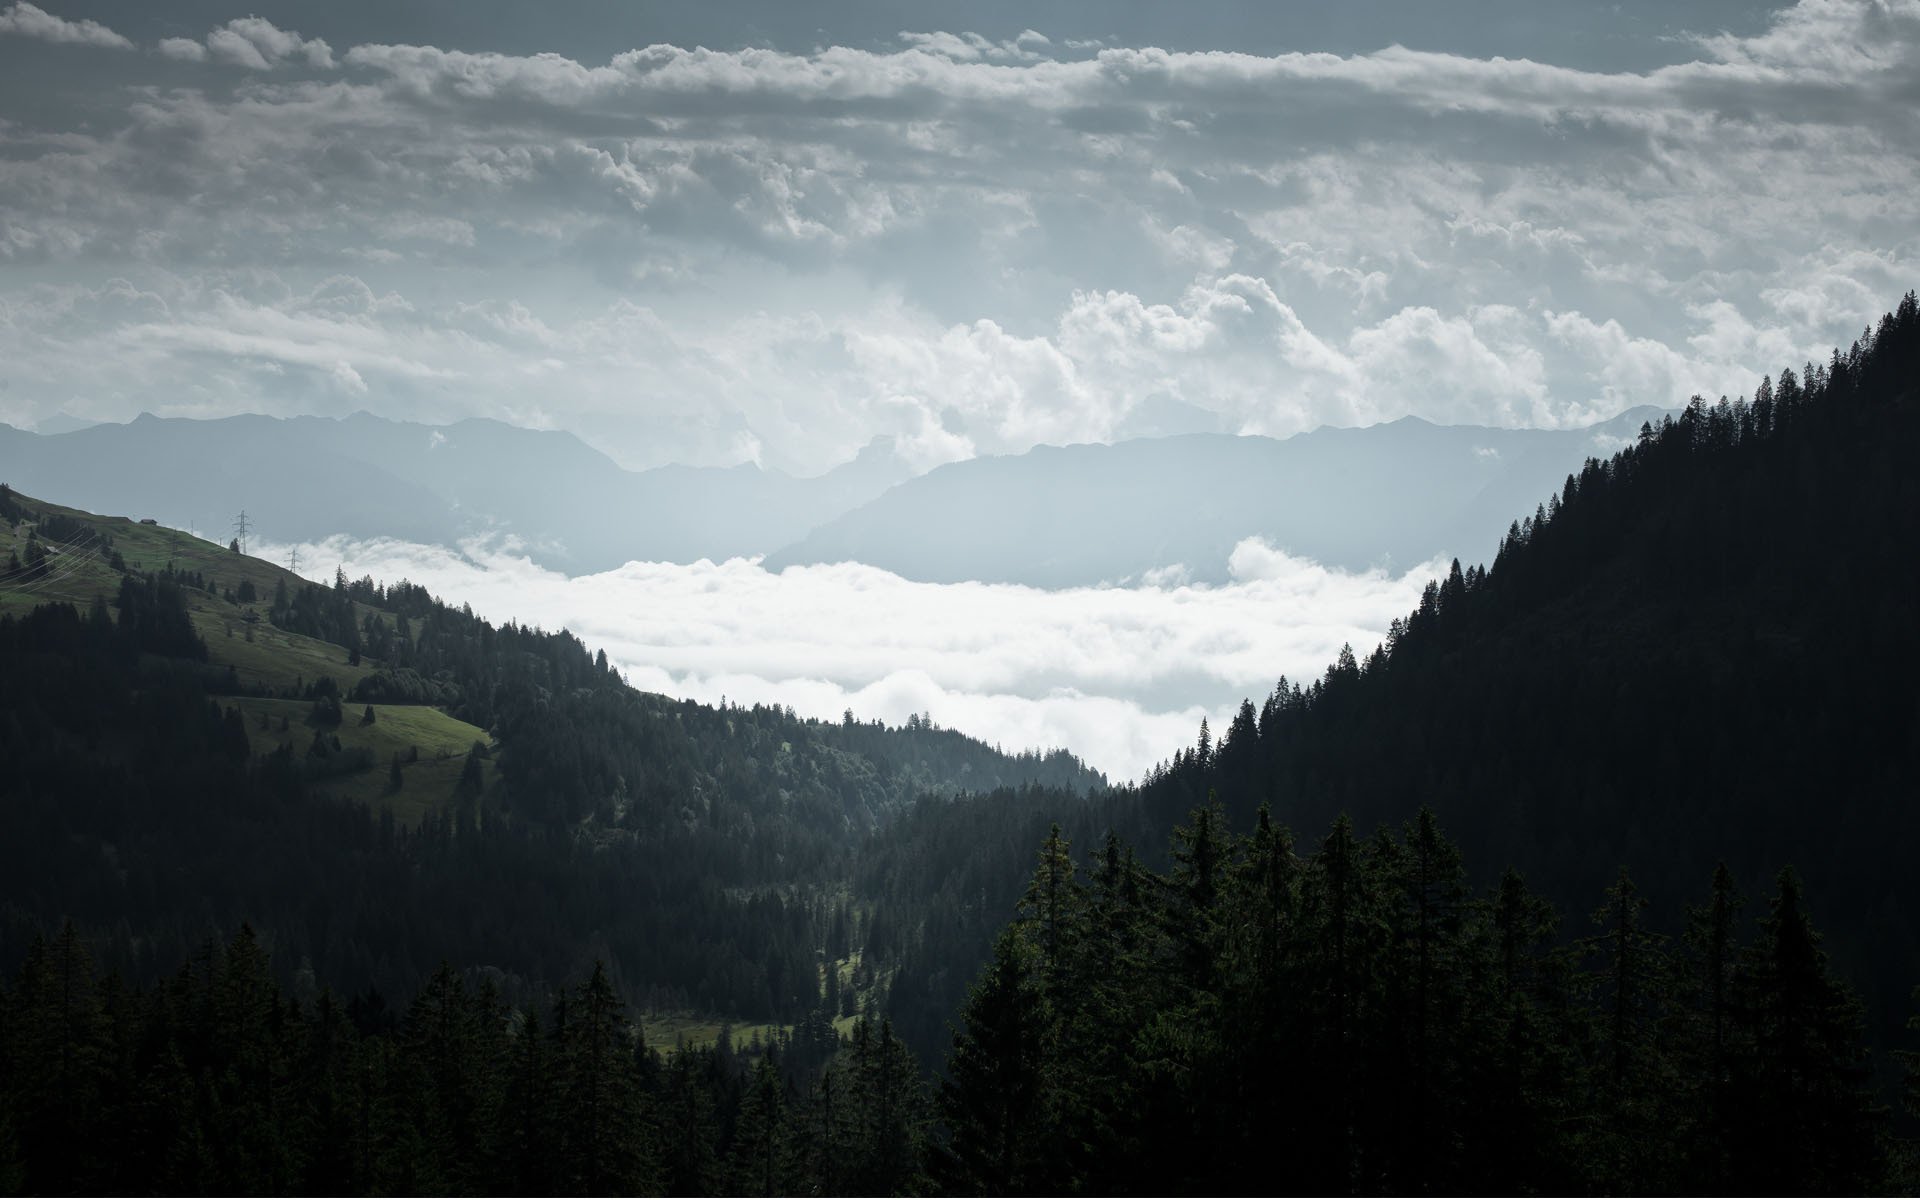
<point x="1593" y="877"/>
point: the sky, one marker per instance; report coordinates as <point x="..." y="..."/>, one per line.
<point x="766" y="232"/>
<point x="717" y="232"/>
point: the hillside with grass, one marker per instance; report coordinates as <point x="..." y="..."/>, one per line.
<point x="262" y="669"/>
<point x="376" y="779"/>
<point x="1684" y="681"/>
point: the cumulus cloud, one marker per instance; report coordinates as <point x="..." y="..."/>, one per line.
<point x="256" y="44"/>
<point x="802" y="392"/>
<point x="28" y="20"/>
<point x="971" y="47"/>
<point x="1836" y="37"/>
<point x="184" y="49"/>
<point x="1122" y="676"/>
<point x="974" y="245"/>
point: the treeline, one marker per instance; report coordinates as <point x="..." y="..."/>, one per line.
<point x="1700" y="650"/>
<point x="1359" y="1018"/>
<point x="942" y="879"/>
<point x="1352" y="1019"/>
<point x="51" y="526"/>
<point x="217" y="1081"/>
<point x="580" y="745"/>
<point x="1746" y="553"/>
<point x="701" y="852"/>
<point x="948" y="756"/>
<point x="131" y="803"/>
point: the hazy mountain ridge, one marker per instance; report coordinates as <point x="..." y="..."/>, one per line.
<point x="1647" y="674"/>
<point x="307" y="478"/>
<point x="1393" y="495"/>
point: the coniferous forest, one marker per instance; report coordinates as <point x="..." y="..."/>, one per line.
<point x="1594" y="877"/>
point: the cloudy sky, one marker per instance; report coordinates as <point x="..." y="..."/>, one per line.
<point x="765" y="231"/>
<point x="725" y="231"/>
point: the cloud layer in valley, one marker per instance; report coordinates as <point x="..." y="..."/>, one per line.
<point x="1121" y="676"/>
<point x="971" y="243"/>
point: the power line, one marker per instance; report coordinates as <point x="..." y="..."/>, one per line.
<point x="79" y="556"/>
<point x="293" y="560"/>
<point x="240" y="530"/>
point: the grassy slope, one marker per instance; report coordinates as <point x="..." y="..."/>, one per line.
<point x="273" y="658"/>
<point x="276" y="659"/>
<point x="260" y="655"/>
<point x="667" y="1030"/>
<point x="441" y="741"/>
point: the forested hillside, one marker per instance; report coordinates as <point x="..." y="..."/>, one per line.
<point x="217" y="1081"/>
<point x="378" y="781"/>
<point x="1356" y="1002"/>
<point x="1700" y="650"/>
<point x="1581" y="812"/>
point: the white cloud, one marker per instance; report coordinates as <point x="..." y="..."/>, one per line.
<point x="1727" y="354"/>
<point x="1442" y="368"/>
<point x="799" y="392"/>
<point x="28" y="20"/>
<point x="184" y="49"/>
<point x="1121" y="676"/>
<point x="259" y="45"/>
<point x="973" y="245"/>
<point x="971" y="47"/>
<point x="1831" y="37"/>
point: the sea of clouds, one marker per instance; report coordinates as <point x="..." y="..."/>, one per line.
<point x="1119" y="675"/>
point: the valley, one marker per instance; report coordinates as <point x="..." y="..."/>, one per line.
<point x="910" y="599"/>
<point x="234" y="744"/>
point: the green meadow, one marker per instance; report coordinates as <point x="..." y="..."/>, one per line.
<point x="431" y="744"/>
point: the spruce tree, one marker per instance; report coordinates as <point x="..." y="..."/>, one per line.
<point x="61" y="1060"/>
<point x="895" y="1114"/>
<point x="247" y="1032"/>
<point x="1200" y="857"/>
<point x="996" y="1099"/>
<point x="688" y="1126"/>
<point x="1337" y="910"/>
<point x="1810" y="1123"/>
<point x="1427" y="921"/>
<point x="1631" y="1145"/>
<point x="1052" y="909"/>
<point x="523" y="1131"/>
<point x="1516" y="1128"/>
<point x="603" y="1147"/>
<point x="1713" y="1052"/>
<point x="759" y="1162"/>
<point x="441" y="1056"/>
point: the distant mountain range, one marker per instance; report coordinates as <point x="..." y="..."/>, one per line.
<point x="1389" y="495"/>
<point x="1392" y="495"/>
<point x="305" y="478"/>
